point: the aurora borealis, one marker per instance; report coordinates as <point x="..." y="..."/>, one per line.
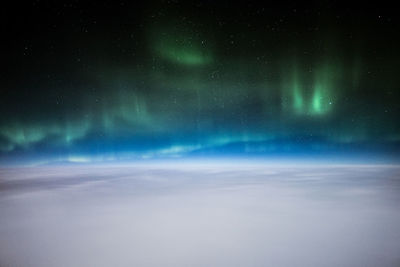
<point x="116" y="80"/>
<point x="200" y="133"/>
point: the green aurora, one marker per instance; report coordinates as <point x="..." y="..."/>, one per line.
<point x="179" y="88"/>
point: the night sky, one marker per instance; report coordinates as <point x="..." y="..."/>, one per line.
<point x="120" y="80"/>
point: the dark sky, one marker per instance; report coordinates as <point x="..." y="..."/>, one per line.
<point x="119" y="80"/>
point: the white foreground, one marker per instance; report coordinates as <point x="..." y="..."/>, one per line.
<point x="175" y="214"/>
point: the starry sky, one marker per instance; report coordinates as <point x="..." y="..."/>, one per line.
<point x="116" y="80"/>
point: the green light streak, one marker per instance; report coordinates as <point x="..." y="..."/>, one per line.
<point x="126" y="111"/>
<point x="298" y="102"/>
<point x="21" y="135"/>
<point x="185" y="55"/>
<point x="325" y="83"/>
<point x="74" y="130"/>
<point x="24" y="135"/>
<point x="316" y="104"/>
<point x="181" y="45"/>
<point x="183" y="51"/>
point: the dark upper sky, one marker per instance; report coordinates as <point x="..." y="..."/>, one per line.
<point x="121" y="80"/>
